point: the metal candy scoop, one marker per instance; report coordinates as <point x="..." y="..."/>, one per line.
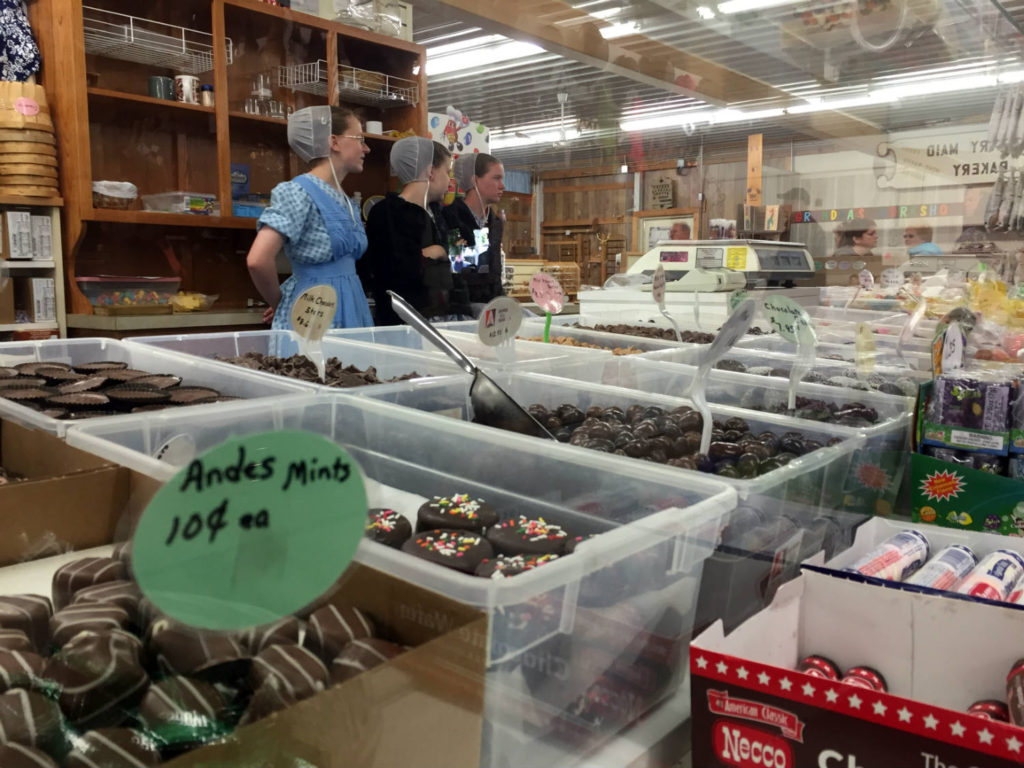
<point x="492" y="405"/>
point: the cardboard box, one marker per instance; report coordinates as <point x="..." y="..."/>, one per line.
<point x="69" y="500"/>
<point x="749" y="701"/>
<point x="35" y="295"/>
<point x="18" y="230"/>
<point x="42" y="237"/>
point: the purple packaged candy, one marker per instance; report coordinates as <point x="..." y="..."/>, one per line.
<point x="965" y="401"/>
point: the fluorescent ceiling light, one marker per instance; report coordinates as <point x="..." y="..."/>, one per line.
<point x="704" y="12"/>
<point x="693" y="117"/>
<point x="509" y="140"/>
<point x="620" y="30"/>
<point x="741" y="6"/>
<point x="507" y="51"/>
<point x="606" y="13"/>
<point x="465" y="45"/>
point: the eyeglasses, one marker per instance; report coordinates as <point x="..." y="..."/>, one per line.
<point x="360" y="139"/>
<point x="909" y="236"/>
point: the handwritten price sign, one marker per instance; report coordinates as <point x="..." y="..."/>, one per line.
<point x="313" y="312"/>
<point x="658" y="287"/>
<point x="789" y="319"/>
<point x="251" y="530"/>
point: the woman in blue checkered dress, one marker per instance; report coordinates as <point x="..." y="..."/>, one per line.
<point x="320" y="230"/>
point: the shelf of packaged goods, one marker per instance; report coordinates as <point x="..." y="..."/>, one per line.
<point x="119" y="99"/>
<point x="183" y="320"/>
<point x="169" y="219"/>
<point x="26" y="264"/>
<point x="52" y="326"/>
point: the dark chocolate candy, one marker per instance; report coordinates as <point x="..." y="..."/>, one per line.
<point x="361" y="655"/>
<point x="15" y="640"/>
<point x="85" y="572"/>
<point x="20" y="669"/>
<point x="332" y="627"/>
<point x="183" y="650"/>
<point x="461" y="550"/>
<point x="523" y="536"/>
<point x="188" y="395"/>
<point x="14" y="755"/>
<point x="124" y="594"/>
<point x="112" y="748"/>
<point x="29" y="369"/>
<point x="29" y="613"/>
<point x="296" y="669"/>
<point x="157" y="381"/>
<point x="387" y="527"/>
<point x="282" y="632"/>
<point x="182" y="712"/>
<point x="68" y="622"/>
<point x="101" y="365"/>
<point x="270" y="698"/>
<point x="100" y="677"/>
<point x="31" y="719"/>
<point x="129" y="395"/>
<point x="456" y="512"/>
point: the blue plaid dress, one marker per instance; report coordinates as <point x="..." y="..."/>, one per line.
<point x="308" y="246"/>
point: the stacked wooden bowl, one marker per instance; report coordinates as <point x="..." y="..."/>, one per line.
<point x="28" y="146"/>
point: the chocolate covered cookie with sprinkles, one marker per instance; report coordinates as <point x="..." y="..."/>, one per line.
<point x="525" y="536"/>
<point x="460" y="550"/>
<point x="506" y="566"/>
<point x="457" y="512"/>
<point x="387" y="527"/>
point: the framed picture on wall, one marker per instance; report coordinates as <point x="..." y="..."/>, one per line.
<point x="652" y="226"/>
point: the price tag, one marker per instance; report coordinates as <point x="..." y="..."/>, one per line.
<point x="788" y="318"/>
<point x="658" y="287"/>
<point x="736" y="258"/>
<point x="736" y="298"/>
<point x="948" y="349"/>
<point x="499" y="321"/>
<point x="313" y="312"/>
<point x="251" y="530"/>
<point x="177" y="451"/>
<point x="866" y="279"/>
<point x="891" y="278"/>
<point x="547" y="292"/>
<point x="864" y="354"/>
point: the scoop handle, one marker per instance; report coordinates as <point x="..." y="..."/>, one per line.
<point x="406" y="311"/>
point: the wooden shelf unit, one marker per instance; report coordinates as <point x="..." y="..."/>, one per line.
<point x="30" y="268"/>
<point x="110" y="129"/>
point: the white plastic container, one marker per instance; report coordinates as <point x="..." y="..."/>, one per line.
<point x="605" y="628"/>
<point x="193" y="371"/>
<point x="885" y="355"/>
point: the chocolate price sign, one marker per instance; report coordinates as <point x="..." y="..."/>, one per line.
<point x="251" y="530"/>
<point x="789" y="319"/>
<point x="314" y="312"/>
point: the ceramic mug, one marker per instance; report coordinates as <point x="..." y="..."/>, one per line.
<point x="374" y="126"/>
<point x="186" y="88"/>
<point x="161" y="87"/>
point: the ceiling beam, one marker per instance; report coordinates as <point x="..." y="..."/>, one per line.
<point x="559" y="28"/>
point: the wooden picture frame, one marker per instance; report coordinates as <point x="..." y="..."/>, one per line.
<point x="650" y="226"/>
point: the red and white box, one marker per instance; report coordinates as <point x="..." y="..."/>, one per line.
<point x="750" y="707"/>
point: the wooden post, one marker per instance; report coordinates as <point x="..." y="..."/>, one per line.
<point x="221" y="108"/>
<point x="754" y="154"/>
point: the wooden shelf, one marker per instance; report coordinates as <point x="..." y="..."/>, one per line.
<point x="102" y="95"/>
<point x="170" y="219"/>
<point x="28" y="327"/>
<point x="37" y="201"/>
<point x="258" y="118"/>
<point x="27" y="264"/>
<point x="183" y="320"/>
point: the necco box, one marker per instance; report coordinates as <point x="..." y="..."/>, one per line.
<point x="895" y="558"/>
<point x="995" y="577"/>
<point x="946" y="569"/>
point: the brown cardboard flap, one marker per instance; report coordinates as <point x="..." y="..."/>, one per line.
<point x="422" y="709"/>
<point x="33" y="454"/>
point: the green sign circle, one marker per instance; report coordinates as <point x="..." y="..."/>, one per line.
<point x="251" y="530"/>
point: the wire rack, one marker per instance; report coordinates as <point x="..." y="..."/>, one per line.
<point x="132" y="38"/>
<point x="356" y="86"/>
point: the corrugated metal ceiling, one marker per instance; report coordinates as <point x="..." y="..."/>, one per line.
<point x="952" y="37"/>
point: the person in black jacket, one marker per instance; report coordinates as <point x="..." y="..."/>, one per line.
<point x="407" y="250"/>
<point x="473" y="223"/>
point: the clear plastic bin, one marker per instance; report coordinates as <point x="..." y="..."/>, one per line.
<point x="390" y="363"/>
<point x="879" y="465"/>
<point x="578" y="648"/>
<point x="884" y="355"/>
<point x="526" y="355"/>
<point x="193" y="372"/>
<point x="125" y="291"/>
